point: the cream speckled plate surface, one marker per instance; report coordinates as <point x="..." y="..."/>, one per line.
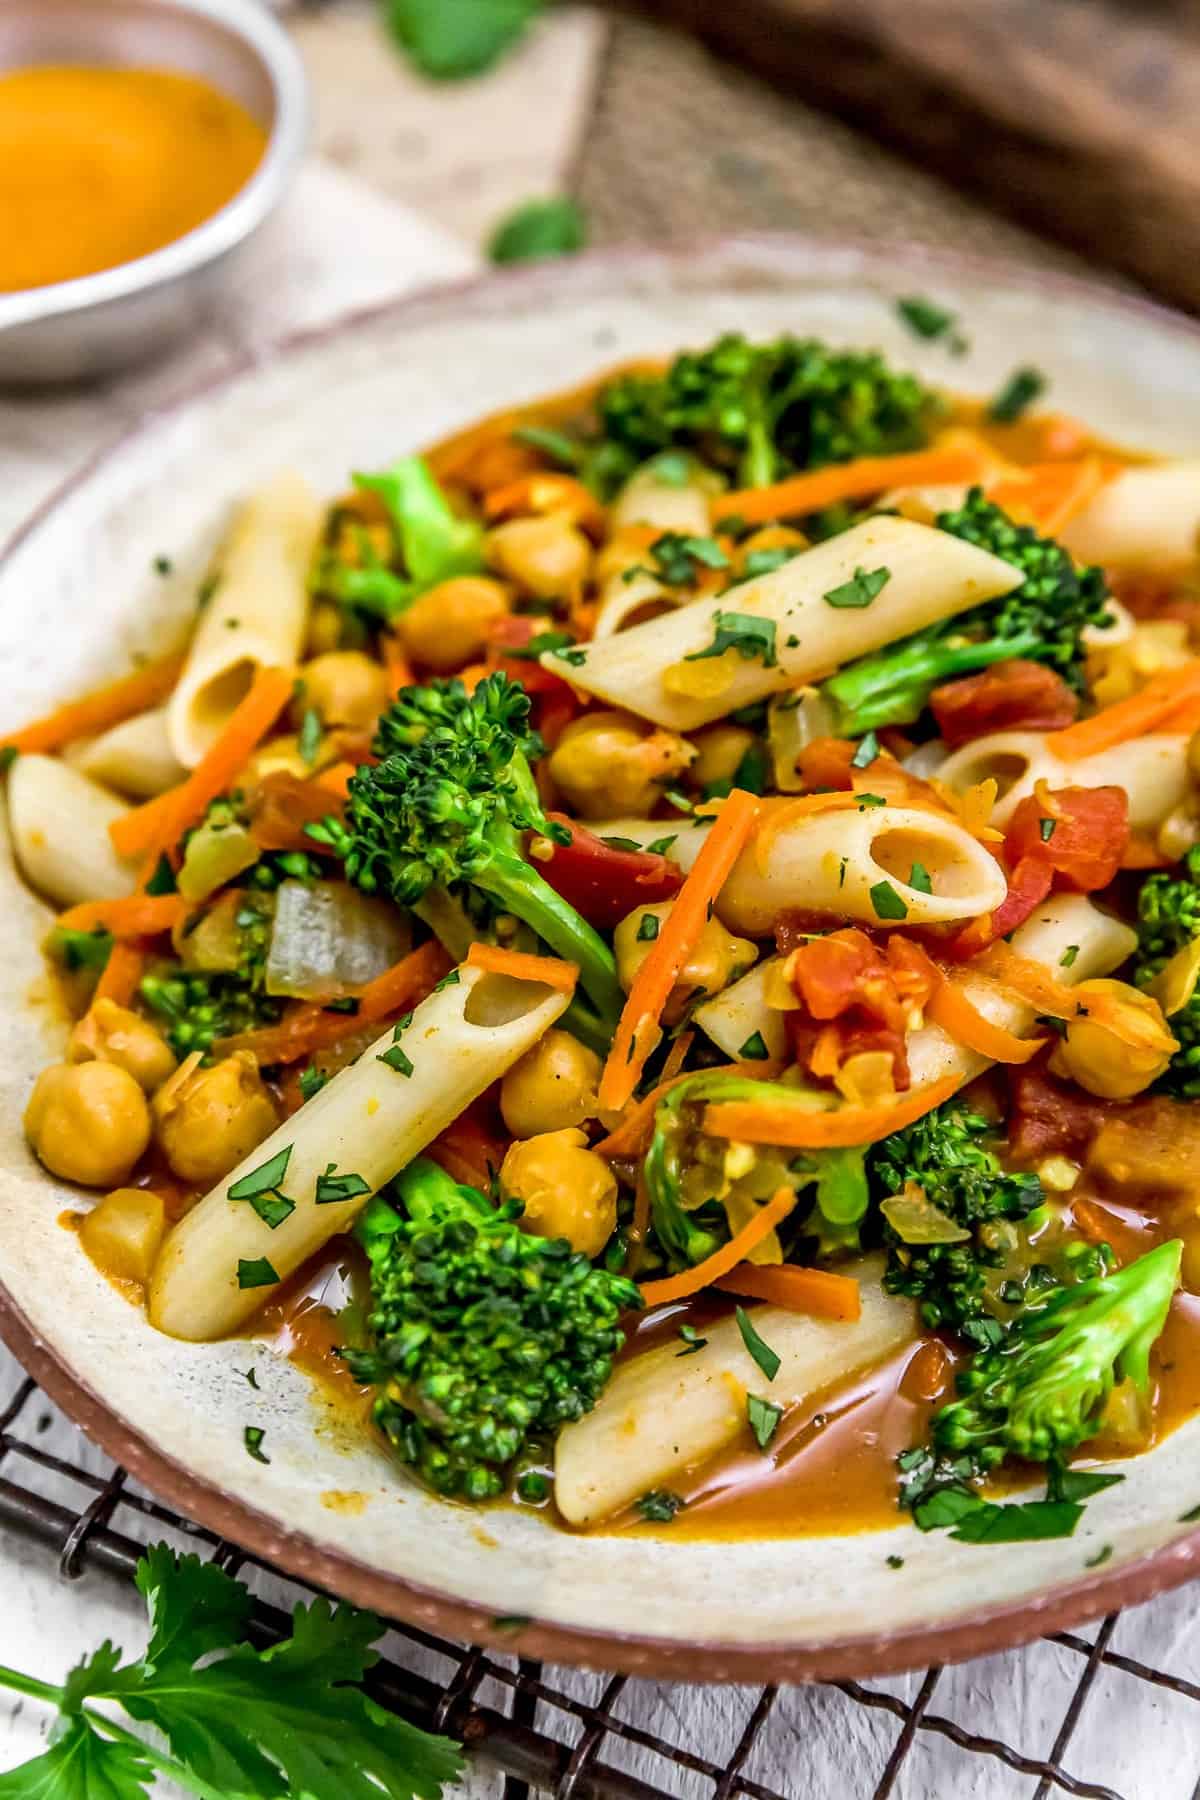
<point x="78" y="595"/>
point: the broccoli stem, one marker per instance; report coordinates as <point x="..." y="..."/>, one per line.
<point x="893" y="686"/>
<point x="521" y="890"/>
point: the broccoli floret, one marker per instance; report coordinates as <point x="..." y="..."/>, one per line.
<point x="759" y="411"/>
<point x="447" y="803"/>
<point x="949" y="1157"/>
<point x="200" y="1007"/>
<point x="1041" y="1391"/>
<point x="483" y="1335"/>
<point x="1041" y="621"/>
<point x="1169" y="921"/>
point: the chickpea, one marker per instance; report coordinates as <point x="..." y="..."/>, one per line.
<point x="206" y="1120"/>
<point x="568" y="1190"/>
<point x="114" y="1034"/>
<point x="1119" y="1046"/>
<point x="719" y="752"/>
<point x="324" y="628"/>
<point x="548" y="558"/>
<point x="717" y="959"/>
<point x="606" y="764"/>
<point x="449" y="624"/>
<point x="345" y="687"/>
<point x="552" y="1086"/>
<point x="88" y="1122"/>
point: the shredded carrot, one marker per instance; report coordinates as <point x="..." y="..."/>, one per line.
<point x="818" y="1292"/>
<point x="1091" y="1221"/>
<point x="753" y="1122"/>
<point x="100" y="710"/>
<point x="336" y="779"/>
<point x="632" y="1133"/>
<point x="776" y="818"/>
<point x="307" y="1027"/>
<point x="677" y="1055"/>
<point x="161" y="822"/>
<point x="1142" y="852"/>
<point x="802" y="494"/>
<point x="543" y="492"/>
<point x="678" y="1287"/>
<point x="1049" y="495"/>
<point x="135" y="915"/>
<point x="399" y="669"/>
<point x="1148" y="710"/>
<point x="1029" y="980"/>
<point x="121" y="974"/>
<point x="468" y="1151"/>
<point x="552" y="971"/>
<point x="638" y="1030"/>
<point x="950" y="1008"/>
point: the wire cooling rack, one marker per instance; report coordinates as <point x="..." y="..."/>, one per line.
<point x="591" y="1737"/>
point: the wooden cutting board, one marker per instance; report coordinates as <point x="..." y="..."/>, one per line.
<point x="1078" y="117"/>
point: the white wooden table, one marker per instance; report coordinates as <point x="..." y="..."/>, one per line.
<point x="386" y="149"/>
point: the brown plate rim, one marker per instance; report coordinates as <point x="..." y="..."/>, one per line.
<point x="234" y="1518"/>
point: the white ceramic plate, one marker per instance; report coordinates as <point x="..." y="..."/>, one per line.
<point x="78" y="595"/>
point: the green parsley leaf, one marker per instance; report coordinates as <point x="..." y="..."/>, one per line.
<point x="680" y="557"/>
<point x="1031" y="1521"/>
<point x="539" y="644"/>
<point x="1068" y="956"/>
<point x="765" y="562"/>
<point x="253" y="1437"/>
<point x="615" y="842"/>
<point x="333" y="1188"/>
<point x="249" y="1375"/>
<point x="1017" y="395"/>
<point x="450" y="980"/>
<point x="887" y="902"/>
<point x="860" y="590"/>
<point x="755" y="1048"/>
<point x="1102" y="1555"/>
<point x="261" y="1188"/>
<point x="539" y="229"/>
<point x="1189" y="1517"/>
<point x="8" y="756"/>
<point x="162" y="565"/>
<point x="662" y="845"/>
<point x="764" y="1417"/>
<point x="575" y="657"/>
<point x="348" y="1004"/>
<point x="162" y="881"/>
<point x="311" y="1082"/>
<point x="692" y="1340"/>
<point x="396" y="1058"/>
<point x="80" y="949"/>
<point x="895" y="1562"/>
<point x="647" y="929"/>
<point x="1046" y="829"/>
<point x="928" y="320"/>
<point x="944" y="1507"/>
<point x="659" y="1506"/>
<point x="255" y="1272"/>
<point x="866" y="753"/>
<point x="81" y="1765"/>
<point x="918" y="877"/>
<point x="746" y="633"/>
<point x="1077" y="1484"/>
<point x="310" y="736"/>
<point x="556" y="445"/>
<point x="863" y="802"/>
<point x="762" y="1353"/>
<point x="450" y="39"/>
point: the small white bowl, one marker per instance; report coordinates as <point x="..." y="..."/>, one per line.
<point x="75" y="330"/>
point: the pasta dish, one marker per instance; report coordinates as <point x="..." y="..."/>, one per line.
<point x="653" y="948"/>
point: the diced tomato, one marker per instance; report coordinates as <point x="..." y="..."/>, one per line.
<point x="603" y="883"/>
<point x="1048" y="1117"/>
<point x="1010" y="696"/>
<point x="861" y="991"/>
<point x="1028" y="885"/>
<point x="826" y="763"/>
<point x="845" y="969"/>
<point x="854" y="1033"/>
<point x="1080" y="833"/>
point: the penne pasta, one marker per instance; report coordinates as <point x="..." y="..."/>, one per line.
<point x="255" y="616"/>
<point x="740" y="1012"/>
<point x="1142" y="518"/>
<point x="620" y="1450"/>
<point x="136" y="757"/>
<point x="660" y="670"/>
<point x="839" y="862"/>
<point x="648" y="499"/>
<point x="1152" y="770"/>
<point x="369" y="1121"/>
<point x="59" y="820"/>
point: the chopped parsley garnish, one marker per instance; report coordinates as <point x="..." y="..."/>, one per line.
<point x="311" y="1082"/>
<point x="864" y="802"/>
<point x="1046" y="828"/>
<point x="332" y="1188"/>
<point x="450" y="980"/>
<point x="764" y="1417"/>
<point x="253" y="1437"/>
<point x="860" y="590"/>
<point x="752" y="638"/>
<point x="692" y="1340"/>
<point x="80" y="949"/>
<point x="887" y="902"/>
<point x="162" y="881"/>
<point x="660" y="846"/>
<point x="255" y="1272"/>
<point x="866" y="753"/>
<point x="162" y="565"/>
<point x="659" y="1506"/>
<point x="396" y="1058"/>
<point x="8" y="756"/>
<point x="762" y="1353"/>
<point x="1068" y="956"/>
<point x="928" y="320"/>
<point x="575" y="656"/>
<point x="249" y="1375"/>
<point x="918" y="877"/>
<point x="621" y="843"/>
<point x="647" y="929"/>
<point x="895" y="1562"/>
<point x="765" y="562"/>
<point x="680" y="558"/>
<point x="555" y="444"/>
<point x="1190" y="1517"/>
<point x="349" y="1003"/>
<point x="539" y="644"/>
<point x="755" y="1048"/>
<point x="262" y="1189"/>
<point x="1102" y="1555"/>
<point x="1018" y="394"/>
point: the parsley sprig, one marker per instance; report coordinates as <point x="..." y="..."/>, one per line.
<point x="291" y="1719"/>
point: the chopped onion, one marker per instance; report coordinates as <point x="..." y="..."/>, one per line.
<point x="328" y="937"/>
<point x="215" y="854"/>
<point x="793" y="721"/>
<point x="916" y="1220"/>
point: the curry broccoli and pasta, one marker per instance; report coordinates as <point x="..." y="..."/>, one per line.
<point x="655" y="947"/>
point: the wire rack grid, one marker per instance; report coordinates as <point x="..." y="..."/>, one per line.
<point x="590" y="1737"/>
